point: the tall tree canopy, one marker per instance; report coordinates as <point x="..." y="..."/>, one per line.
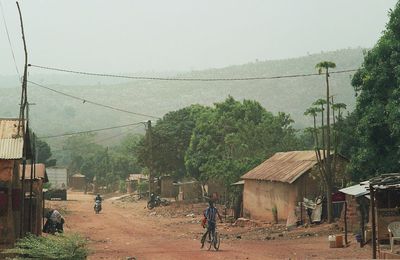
<point x="170" y="140"/>
<point x="377" y="113"/>
<point x="233" y="137"/>
<point x="43" y="153"/>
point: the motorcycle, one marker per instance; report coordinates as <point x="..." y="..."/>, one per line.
<point x="156" y="201"/>
<point x="97" y="206"/>
<point x="52" y="227"/>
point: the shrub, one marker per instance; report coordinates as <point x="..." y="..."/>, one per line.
<point x="122" y="186"/>
<point x="65" y="247"/>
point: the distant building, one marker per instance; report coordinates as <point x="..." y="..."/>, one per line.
<point x="133" y="181"/>
<point x="167" y="187"/>
<point x="58" y="177"/>
<point x="273" y="189"/>
<point x="58" y="180"/>
<point x="189" y="190"/>
<point x="78" y="182"/>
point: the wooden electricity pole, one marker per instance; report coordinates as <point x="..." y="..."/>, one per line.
<point x="21" y="125"/>
<point x="150" y="143"/>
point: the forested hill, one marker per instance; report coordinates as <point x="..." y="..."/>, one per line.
<point x="54" y="113"/>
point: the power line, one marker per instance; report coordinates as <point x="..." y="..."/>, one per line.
<point x="184" y="79"/>
<point x="89" y="131"/>
<point x="101" y="140"/>
<point x="9" y="40"/>
<point x="117" y="135"/>
<point x="84" y="100"/>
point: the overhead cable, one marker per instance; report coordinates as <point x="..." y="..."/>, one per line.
<point x="99" y="141"/>
<point x="84" y="100"/>
<point x="89" y="131"/>
<point x="184" y="79"/>
<point x="9" y="40"/>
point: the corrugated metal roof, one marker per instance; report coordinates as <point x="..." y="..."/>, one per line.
<point x="238" y="183"/>
<point x="78" y="175"/>
<point x="355" y="190"/>
<point x="40" y="171"/>
<point x="11" y="147"/>
<point x="136" y="176"/>
<point x="283" y="167"/>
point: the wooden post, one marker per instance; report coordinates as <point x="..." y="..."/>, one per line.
<point x="345" y="223"/>
<point x="373" y="220"/>
<point x="22" y="206"/>
<point x="150" y="143"/>
<point x="362" y="207"/>
<point x="21" y="124"/>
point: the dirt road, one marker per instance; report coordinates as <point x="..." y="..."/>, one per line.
<point x="123" y="231"/>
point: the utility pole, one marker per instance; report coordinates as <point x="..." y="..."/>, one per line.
<point x="150" y="143"/>
<point x="33" y="169"/>
<point x="21" y="124"/>
<point x="325" y="65"/>
<point x="32" y="177"/>
<point x="328" y="148"/>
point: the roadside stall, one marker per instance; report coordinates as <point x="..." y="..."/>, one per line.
<point x="385" y="213"/>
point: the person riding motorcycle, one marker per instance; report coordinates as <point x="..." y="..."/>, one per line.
<point x="98" y="200"/>
<point x="210" y="217"/>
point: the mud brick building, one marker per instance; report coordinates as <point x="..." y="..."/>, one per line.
<point x="273" y="189"/>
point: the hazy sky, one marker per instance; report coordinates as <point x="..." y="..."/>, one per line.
<point x="130" y="35"/>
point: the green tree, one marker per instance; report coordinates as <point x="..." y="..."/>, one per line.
<point x="43" y="153"/>
<point x="377" y="114"/>
<point x="329" y="136"/>
<point x="123" y="157"/>
<point x="170" y="140"/>
<point x="234" y="137"/>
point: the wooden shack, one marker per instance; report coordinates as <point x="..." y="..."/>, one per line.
<point x="167" y="187"/>
<point x="35" y="177"/>
<point x="78" y="182"/>
<point x="189" y="191"/>
<point x="133" y="181"/>
<point x="13" y="148"/>
<point x="385" y="208"/>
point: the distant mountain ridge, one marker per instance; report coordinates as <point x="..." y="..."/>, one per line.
<point x="54" y="113"/>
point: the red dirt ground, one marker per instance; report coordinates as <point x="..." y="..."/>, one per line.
<point x="125" y="230"/>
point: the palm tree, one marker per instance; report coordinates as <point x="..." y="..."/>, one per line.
<point x="325" y="66"/>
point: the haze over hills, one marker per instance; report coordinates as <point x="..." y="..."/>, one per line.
<point x="56" y="114"/>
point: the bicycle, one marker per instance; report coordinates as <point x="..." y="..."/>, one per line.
<point x="214" y="240"/>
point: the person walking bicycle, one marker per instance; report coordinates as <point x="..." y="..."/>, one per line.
<point x="210" y="216"/>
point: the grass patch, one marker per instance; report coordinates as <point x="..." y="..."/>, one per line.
<point x="65" y="247"/>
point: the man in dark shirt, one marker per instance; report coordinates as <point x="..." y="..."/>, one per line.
<point x="210" y="215"/>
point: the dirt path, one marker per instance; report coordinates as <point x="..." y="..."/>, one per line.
<point x="122" y="231"/>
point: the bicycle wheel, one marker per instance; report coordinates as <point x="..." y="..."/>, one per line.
<point x="210" y="240"/>
<point x="216" y="241"/>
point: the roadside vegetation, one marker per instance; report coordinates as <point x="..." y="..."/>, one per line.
<point x="64" y="247"/>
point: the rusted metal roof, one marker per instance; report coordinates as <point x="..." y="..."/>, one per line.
<point x="283" y="167"/>
<point x="11" y="146"/>
<point x="40" y="171"/>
